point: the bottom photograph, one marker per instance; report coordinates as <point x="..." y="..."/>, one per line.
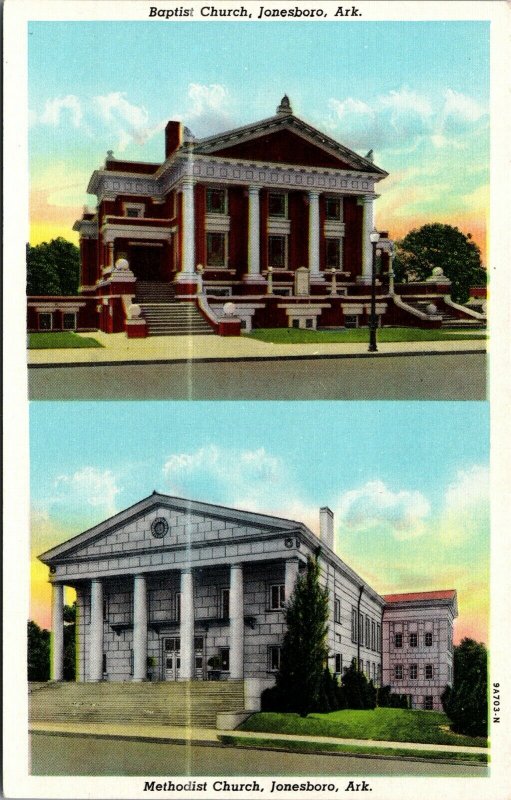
<point x="259" y="589"/>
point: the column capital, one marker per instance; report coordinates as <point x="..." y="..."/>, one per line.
<point x="313" y="193"/>
<point x="187" y="181"/>
<point x="368" y="198"/>
<point x="254" y="189"/>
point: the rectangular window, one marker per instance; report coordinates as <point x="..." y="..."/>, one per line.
<point x="133" y="213"/>
<point x="224" y="603"/>
<point x="333" y="253"/>
<point x="373" y="635"/>
<point x="277" y="204"/>
<point x="378" y="674"/>
<point x="378" y="637"/>
<point x="350" y="321"/>
<point x="215" y="249"/>
<point x="277" y="596"/>
<point x="177" y="606"/>
<point x="413" y="640"/>
<point x="361" y="628"/>
<point x="45" y="321"/>
<point x="337" y="610"/>
<point x="428" y="672"/>
<point x="428" y="703"/>
<point x="224" y="657"/>
<point x="333" y="208"/>
<point x="353" y="624"/>
<point x="131" y="662"/>
<point x="428" y="639"/>
<point x="368" y="632"/>
<point x="215" y="201"/>
<point x="338" y="663"/>
<point x="277" y="252"/>
<point x="69" y="321"/>
<point x="273" y="658"/>
<point x="398" y="640"/>
<point x="104" y="663"/>
<point x="134" y="210"/>
<point x="368" y="670"/>
<point x="413" y="672"/>
<point x="398" y="672"/>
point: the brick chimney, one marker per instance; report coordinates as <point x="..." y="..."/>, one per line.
<point x="326" y="527"/>
<point x="173" y="137"/>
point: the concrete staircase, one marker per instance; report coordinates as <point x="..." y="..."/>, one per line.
<point x="187" y="703"/>
<point x="448" y="320"/>
<point x="166" y="316"/>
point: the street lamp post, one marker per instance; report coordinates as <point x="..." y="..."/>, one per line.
<point x="374" y="237"/>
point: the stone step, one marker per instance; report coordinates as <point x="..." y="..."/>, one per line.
<point x="174" y="319"/>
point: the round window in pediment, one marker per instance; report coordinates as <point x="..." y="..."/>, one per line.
<point x="159" y="527"/>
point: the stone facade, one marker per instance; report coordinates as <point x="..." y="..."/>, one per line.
<point x="169" y="584"/>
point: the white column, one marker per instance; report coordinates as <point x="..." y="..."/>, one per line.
<point x="96" y="631"/>
<point x="253" y="234"/>
<point x="236" y="619"/>
<point x="140" y="628"/>
<point x="57" y="631"/>
<point x="188" y="222"/>
<point x="186" y="627"/>
<point x="314" y="235"/>
<point x="290" y="577"/>
<point x="367" y="227"/>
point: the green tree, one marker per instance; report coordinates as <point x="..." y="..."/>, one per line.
<point x="466" y="702"/>
<point x="38" y="652"/>
<point x="437" y="245"/>
<point x="53" y="268"/>
<point x="358" y="692"/>
<point x="300" y="680"/>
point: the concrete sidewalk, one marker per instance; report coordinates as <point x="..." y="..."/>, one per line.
<point x="118" y="349"/>
<point x="210" y="736"/>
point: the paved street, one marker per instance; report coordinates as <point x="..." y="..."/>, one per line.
<point x="76" y="755"/>
<point x="453" y="376"/>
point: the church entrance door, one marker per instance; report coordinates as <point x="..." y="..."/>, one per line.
<point x="171" y="658"/>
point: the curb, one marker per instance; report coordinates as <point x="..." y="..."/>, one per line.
<point x="249" y="359"/>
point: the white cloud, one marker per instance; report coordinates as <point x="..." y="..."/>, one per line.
<point x="90" y="487"/>
<point x="53" y="111"/>
<point x="461" y="107"/>
<point x="466" y="509"/>
<point x="402" y="514"/>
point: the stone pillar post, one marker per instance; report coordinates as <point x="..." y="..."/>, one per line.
<point x="188" y="255"/>
<point x="314" y="235"/>
<point x="110" y="247"/>
<point x="186" y="627"/>
<point x="140" y="628"/>
<point x="96" y="631"/>
<point x="57" y="632"/>
<point x="290" y="577"/>
<point x="236" y="622"/>
<point x="367" y="251"/>
<point x="253" y="260"/>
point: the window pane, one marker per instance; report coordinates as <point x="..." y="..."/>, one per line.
<point x="224" y="655"/>
<point x="215" y="201"/>
<point x="332" y="253"/>
<point x="276" y="205"/>
<point x="45" y="322"/>
<point x="69" y="322"/>
<point x="276" y="251"/>
<point x="333" y="208"/>
<point x="215" y="249"/>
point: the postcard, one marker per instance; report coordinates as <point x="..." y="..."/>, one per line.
<point x="257" y="385"/>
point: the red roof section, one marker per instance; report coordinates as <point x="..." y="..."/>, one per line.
<point x="441" y="594"/>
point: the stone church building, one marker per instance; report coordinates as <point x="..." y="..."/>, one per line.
<point x="177" y="590"/>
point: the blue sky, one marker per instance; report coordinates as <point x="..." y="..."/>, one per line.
<point x="415" y="92"/>
<point x="408" y="482"/>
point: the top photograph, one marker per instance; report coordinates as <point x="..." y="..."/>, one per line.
<point x="251" y="210"/>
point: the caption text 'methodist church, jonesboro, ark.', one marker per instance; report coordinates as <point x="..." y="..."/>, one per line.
<point x="171" y="583"/>
<point x="268" y="225"/>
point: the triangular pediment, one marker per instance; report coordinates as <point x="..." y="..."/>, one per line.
<point x="160" y="522"/>
<point x="285" y="140"/>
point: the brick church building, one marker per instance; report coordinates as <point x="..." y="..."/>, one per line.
<point x="176" y="590"/>
<point x="267" y="225"/>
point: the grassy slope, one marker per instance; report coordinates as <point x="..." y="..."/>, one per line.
<point x="391" y="724"/>
<point x="59" y="339"/>
<point x="358" y="335"/>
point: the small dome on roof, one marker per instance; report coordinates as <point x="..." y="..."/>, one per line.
<point x="285" y="106"/>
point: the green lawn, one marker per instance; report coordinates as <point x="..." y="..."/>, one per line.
<point x="322" y="747"/>
<point x="390" y="724"/>
<point x="59" y="339"/>
<point x="359" y="335"/>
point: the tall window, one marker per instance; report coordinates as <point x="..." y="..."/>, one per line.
<point x="224" y="656"/>
<point x="398" y="640"/>
<point x="45" y="321"/>
<point x="333" y="253"/>
<point x="273" y="658"/>
<point x="277" y="246"/>
<point x="398" y="672"/>
<point x="216" y="249"/>
<point x="337" y="610"/>
<point x="373" y="635"/>
<point x="428" y="703"/>
<point x="378" y="637"/>
<point x="354" y="625"/>
<point x="428" y="672"/>
<point x="361" y="628"/>
<point x="69" y="321"/>
<point x="413" y="640"/>
<point x="428" y="639"/>
<point x="224" y="603"/>
<point x="215" y="201"/>
<point x="413" y="672"/>
<point x="277" y="596"/>
<point x="338" y="663"/>
<point x="277" y="204"/>
<point x="368" y="632"/>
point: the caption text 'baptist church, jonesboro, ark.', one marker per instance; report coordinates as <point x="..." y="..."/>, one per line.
<point x="267" y="225"/>
<point x="168" y="584"/>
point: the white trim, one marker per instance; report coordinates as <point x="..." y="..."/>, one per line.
<point x="112" y="231"/>
<point x="334" y="230"/>
<point x="279" y="226"/>
<point x="217" y="223"/>
<point x="137" y="206"/>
